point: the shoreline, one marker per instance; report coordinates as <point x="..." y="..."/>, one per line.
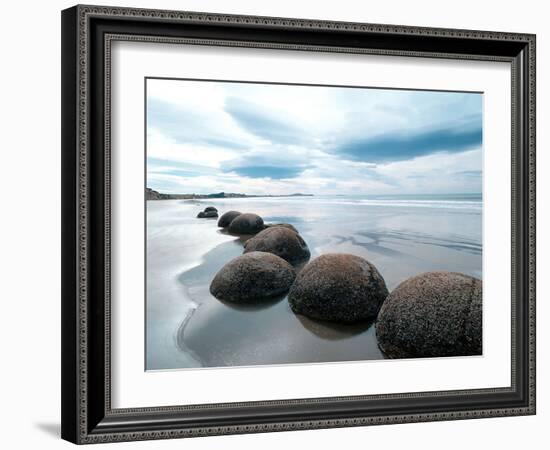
<point x="151" y="194"/>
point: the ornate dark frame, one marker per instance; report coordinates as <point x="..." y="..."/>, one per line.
<point x="87" y="32"/>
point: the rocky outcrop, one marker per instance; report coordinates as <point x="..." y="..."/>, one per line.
<point x="151" y="194"/>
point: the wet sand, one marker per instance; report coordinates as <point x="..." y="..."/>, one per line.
<point x="187" y="327"/>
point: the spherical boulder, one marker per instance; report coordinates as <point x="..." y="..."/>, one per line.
<point x="253" y="277"/>
<point x="207" y="214"/>
<point x="280" y="241"/>
<point x="284" y="225"/>
<point x="246" y="224"/>
<point x="210" y="208"/>
<point x="227" y="217"/>
<point x="338" y="287"/>
<point x="432" y="314"/>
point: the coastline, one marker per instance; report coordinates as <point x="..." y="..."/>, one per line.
<point x="151" y="194"/>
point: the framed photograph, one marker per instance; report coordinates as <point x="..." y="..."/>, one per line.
<point x="277" y="224"/>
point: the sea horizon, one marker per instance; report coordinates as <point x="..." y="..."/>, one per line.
<point x="457" y="195"/>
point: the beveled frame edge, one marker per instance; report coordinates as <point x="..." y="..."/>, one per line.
<point x="76" y="223"/>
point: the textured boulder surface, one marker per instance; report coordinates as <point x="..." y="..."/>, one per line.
<point x="432" y="314"/>
<point x="253" y="277"/>
<point x="280" y="241"/>
<point x="210" y="208"/>
<point x="227" y="217"/>
<point x="207" y="214"/>
<point x="284" y="225"/>
<point x="247" y="223"/>
<point x="338" y="287"/>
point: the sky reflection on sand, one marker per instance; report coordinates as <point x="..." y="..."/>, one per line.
<point x="187" y="327"/>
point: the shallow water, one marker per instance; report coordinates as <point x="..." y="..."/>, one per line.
<point x="187" y="327"/>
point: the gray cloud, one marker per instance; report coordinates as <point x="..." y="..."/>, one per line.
<point x="261" y="122"/>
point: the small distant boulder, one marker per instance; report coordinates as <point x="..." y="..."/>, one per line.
<point x="253" y="277"/>
<point x="246" y="224"/>
<point x="207" y="214"/>
<point x="338" y="287"/>
<point x="280" y="241"/>
<point x="284" y="225"/>
<point x="432" y="314"/>
<point x="227" y="217"/>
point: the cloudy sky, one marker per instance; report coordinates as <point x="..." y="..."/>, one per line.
<point x="205" y="137"/>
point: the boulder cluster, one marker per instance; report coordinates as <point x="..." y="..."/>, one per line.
<point x="266" y="269"/>
<point x="429" y="315"/>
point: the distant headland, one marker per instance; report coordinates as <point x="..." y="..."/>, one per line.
<point x="151" y="194"/>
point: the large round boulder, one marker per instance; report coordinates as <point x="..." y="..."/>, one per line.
<point x="247" y="223"/>
<point x="284" y="225"/>
<point x="210" y="208"/>
<point x="280" y="241"/>
<point x="338" y="287"/>
<point x="432" y="314"/>
<point x="253" y="277"/>
<point x="227" y="217"/>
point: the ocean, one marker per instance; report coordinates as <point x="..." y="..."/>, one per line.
<point x="186" y="327"/>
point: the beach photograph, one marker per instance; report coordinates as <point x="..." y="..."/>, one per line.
<point x="301" y="224"/>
